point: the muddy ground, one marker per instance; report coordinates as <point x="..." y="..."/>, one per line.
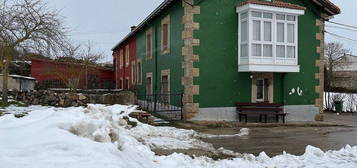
<point x="293" y="140"/>
<point x="336" y="132"/>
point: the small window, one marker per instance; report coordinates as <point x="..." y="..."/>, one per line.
<point x="280" y="51"/>
<point x="268" y="31"/>
<point x="244" y="50"/>
<point x="121" y="58"/>
<point x="290" y="18"/>
<point x="244" y="15"/>
<point x="257" y="50"/>
<point x="149" y="86"/>
<point x="280" y="32"/>
<point x="149" y="44"/>
<point x="267" y="15"/>
<point x="133" y="72"/>
<point x="139" y="72"/>
<point x="291" y="33"/>
<point x="257" y="14"/>
<point x="280" y="17"/>
<point x="256" y="30"/>
<point x="290" y="53"/>
<point x="268" y="50"/>
<point x="244" y="31"/>
<point x="121" y="83"/>
<point x="127" y="84"/>
<point x="165" y="88"/>
<point x="165" y="35"/>
<point x="127" y="55"/>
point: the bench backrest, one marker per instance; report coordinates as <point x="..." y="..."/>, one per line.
<point x="241" y="105"/>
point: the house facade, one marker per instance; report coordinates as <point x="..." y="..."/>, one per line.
<point x="55" y="74"/>
<point x="125" y="62"/>
<point x="218" y="53"/>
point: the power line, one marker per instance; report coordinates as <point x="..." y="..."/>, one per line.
<point x="343" y="28"/>
<point x="339" y="36"/>
<point x="342" y="24"/>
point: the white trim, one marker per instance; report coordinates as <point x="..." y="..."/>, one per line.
<point x="270" y="9"/>
<point x="259" y="62"/>
<point x="268" y="68"/>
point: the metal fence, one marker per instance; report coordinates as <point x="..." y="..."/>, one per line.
<point x="167" y="106"/>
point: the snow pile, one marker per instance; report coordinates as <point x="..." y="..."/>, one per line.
<point x="100" y="136"/>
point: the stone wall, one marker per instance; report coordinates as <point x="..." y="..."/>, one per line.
<point x="51" y="98"/>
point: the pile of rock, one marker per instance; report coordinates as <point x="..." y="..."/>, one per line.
<point x="51" y="98"/>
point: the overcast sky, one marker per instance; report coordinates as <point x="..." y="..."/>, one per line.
<point x="106" y="22"/>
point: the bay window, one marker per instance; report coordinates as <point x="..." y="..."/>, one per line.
<point x="268" y="38"/>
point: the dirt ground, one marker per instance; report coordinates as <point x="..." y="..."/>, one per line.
<point x="292" y="139"/>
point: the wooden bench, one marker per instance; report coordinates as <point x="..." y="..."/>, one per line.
<point x="261" y="109"/>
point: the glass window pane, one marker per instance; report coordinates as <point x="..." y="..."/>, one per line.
<point x="290" y="52"/>
<point x="267" y="31"/>
<point x="243" y="15"/>
<point x="268" y="50"/>
<point x="260" y="89"/>
<point x="256" y="30"/>
<point x="244" y="31"/>
<point x="291" y="18"/>
<point x="257" y="14"/>
<point x="280" y="17"/>
<point x="280" y="51"/>
<point x="244" y="50"/>
<point x="291" y="33"/>
<point x="268" y="15"/>
<point x="256" y="50"/>
<point x="280" y="32"/>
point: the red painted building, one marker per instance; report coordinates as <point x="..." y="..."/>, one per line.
<point x="125" y="64"/>
<point x="54" y="74"/>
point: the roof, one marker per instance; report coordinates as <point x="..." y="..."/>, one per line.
<point x="69" y="63"/>
<point x="274" y="3"/>
<point x="329" y="7"/>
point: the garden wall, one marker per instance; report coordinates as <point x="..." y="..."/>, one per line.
<point x="57" y="99"/>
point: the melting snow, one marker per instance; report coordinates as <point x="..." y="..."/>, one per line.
<point x="98" y="136"/>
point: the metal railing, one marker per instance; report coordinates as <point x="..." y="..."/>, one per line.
<point x="166" y="105"/>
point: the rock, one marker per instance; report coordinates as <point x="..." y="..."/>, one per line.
<point x="82" y="97"/>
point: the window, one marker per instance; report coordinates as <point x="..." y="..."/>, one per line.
<point x="165" y="88"/>
<point x="267" y="34"/>
<point x="149" y="44"/>
<point x="121" y="59"/>
<point x="133" y="72"/>
<point x="149" y="86"/>
<point x="127" y="55"/>
<point x="262" y="90"/>
<point x="127" y="83"/>
<point x="139" y="72"/>
<point x="121" y="83"/>
<point x="165" y="35"/>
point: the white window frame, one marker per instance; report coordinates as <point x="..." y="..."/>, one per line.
<point x="274" y="60"/>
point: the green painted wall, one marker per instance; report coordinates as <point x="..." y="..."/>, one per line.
<point x="172" y="60"/>
<point x="221" y="85"/>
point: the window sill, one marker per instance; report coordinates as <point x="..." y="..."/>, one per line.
<point x="268" y="68"/>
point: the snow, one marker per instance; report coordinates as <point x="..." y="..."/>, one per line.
<point x="98" y="136"/>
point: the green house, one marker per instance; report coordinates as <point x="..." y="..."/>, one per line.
<point x="220" y="52"/>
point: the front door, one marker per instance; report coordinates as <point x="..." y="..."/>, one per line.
<point x="262" y="90"/>
<point x="262" y="87"/>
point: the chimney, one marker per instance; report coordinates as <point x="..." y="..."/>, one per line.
<point x="133" y="28"/>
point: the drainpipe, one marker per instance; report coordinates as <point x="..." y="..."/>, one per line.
<point x="156" y="68"/>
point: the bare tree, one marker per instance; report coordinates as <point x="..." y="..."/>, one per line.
<point x="334" y="53"/>
<point x="27" y="25"/>
<point x="75" y="64"/>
